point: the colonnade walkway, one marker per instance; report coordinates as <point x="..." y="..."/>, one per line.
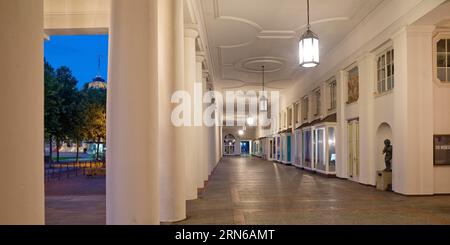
<point x="253" y="191"/>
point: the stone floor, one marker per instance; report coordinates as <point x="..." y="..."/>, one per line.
<point x="251" y="191"/>
<point x="76" y="201"/>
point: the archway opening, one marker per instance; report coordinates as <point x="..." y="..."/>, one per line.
<point x="229" y="145"/>
<point x="75" y="129"/>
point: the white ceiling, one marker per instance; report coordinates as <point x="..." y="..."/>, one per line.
<point x="243" y="35"/>
<point x="438" y="17"/>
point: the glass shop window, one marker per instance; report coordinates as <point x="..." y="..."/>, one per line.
<point x="320" y="149"/>
<point x="307" y="156"/>
<point x="332" y="149"/>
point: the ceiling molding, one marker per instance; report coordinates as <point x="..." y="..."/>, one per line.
<point x="244" y="65"/>
<point x="191" y="13"/>
<point x="218" y="16"/>
<point x="316" y="22"/>
<point x="203" y="42"/>
<point x="237" y="45"/>
<point x="241" y="37"/>
<point x="242" y="20"/>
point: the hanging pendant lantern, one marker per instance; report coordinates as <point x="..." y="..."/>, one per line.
<point x="308" y="47"/>
<point x="263" y="102"/>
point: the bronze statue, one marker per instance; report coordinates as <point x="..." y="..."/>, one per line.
<point x="388" y="155"/>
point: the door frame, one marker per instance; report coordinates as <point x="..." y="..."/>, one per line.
<point x="249" y="142"/>
<point x="353" y="156"/>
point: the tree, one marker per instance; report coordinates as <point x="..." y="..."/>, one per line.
<point x="95" y="115"/>
<point x="97" y="125"/>
<point x="68" y="98"/>
<point x="52" y="106"/>
<point x="79" y="123"/>
<point x="72" y="115"/>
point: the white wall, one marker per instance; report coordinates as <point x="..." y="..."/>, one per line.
<point x="441" y="126"/>
<point x="76" y="16"/>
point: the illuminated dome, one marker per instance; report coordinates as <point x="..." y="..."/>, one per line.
<point x="97" y="83"/>
<point x="98" y="79"/>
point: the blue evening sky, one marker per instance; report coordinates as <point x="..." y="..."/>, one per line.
<point x="79" y="53"/>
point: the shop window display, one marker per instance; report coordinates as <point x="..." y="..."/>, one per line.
<point x="307" y="156"/>
<point x="332" y="149"/>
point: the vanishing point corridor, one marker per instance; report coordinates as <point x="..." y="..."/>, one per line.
<point x="253" y="191"/>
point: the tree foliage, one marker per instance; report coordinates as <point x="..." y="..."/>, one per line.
<point x="95" y="115"/>
<point x="72" y="115"/>
<point x="52" y="102"/>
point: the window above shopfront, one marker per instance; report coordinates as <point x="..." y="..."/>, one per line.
<point x="305" y="109"/>
<point x="289" y="116"/>
<point x="332" y="90"/>
<point x="385" y="71"/>
<point x="297" y="113"/>
<point x="318" y="97"/>
<point x="442" y="58"/>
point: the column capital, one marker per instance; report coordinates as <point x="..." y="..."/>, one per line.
<point x="200" y="57"/>
<point x="205" y="73"/>
<point x="399" y="33"/>
<point x="190" y="33"/>
<point x="421" y="29"/>
<point x="365" y="57"/>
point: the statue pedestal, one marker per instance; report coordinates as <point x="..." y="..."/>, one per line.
<point x="384" y="180"/>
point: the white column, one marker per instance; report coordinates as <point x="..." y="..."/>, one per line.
<point x="170" y="138"/>
<point x="193" y="151"/>
<point x="217" y="146"/>
<point x="213" y="149"/>
<point x="413" y="129"/>
<point x="218" y="132"/>
<point x="220" y="140"/>
<point x="22" y="110"/>
<point x="341" y="132"/>
<point x="208" y="136"/>
<point x="203" y="130"/>
<point x="132" y="180"/>
<point x="211" y="135"/>
<point x="367" y="173"/>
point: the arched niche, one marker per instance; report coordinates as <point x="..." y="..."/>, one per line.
<point x="384" y="132"/>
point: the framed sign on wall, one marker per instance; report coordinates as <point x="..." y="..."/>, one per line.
<point x="441" y="150"/>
